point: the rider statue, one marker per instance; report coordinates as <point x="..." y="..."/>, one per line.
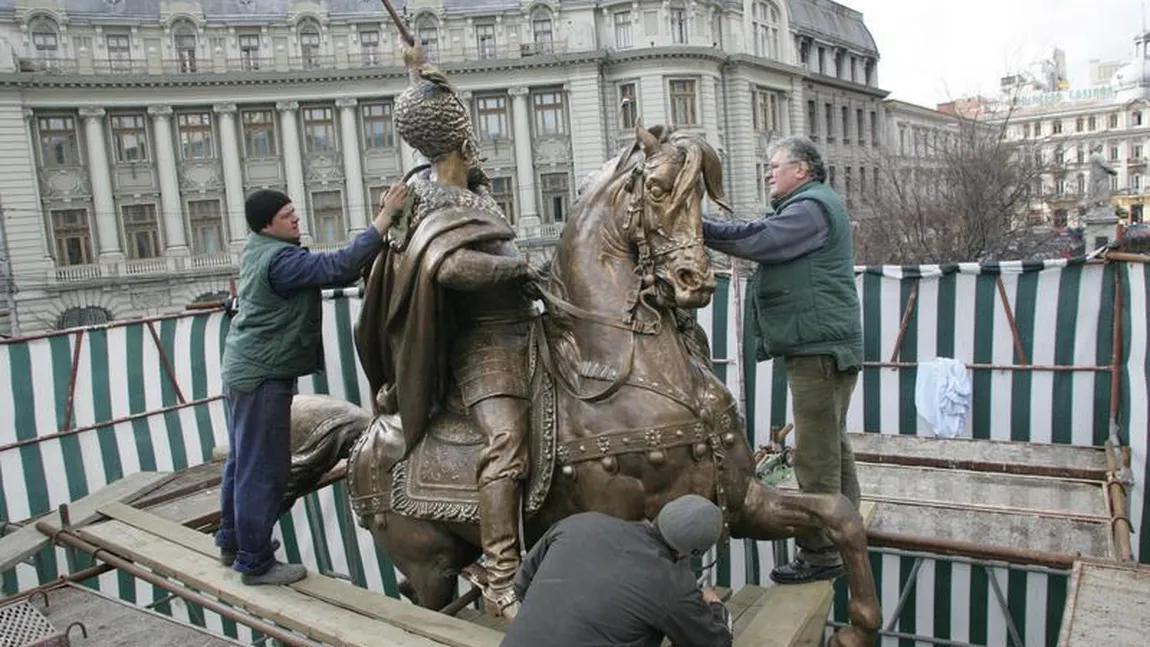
<point x="454" y="316"/>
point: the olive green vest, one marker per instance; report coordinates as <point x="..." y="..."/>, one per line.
<point x="271" y="337"/>
<point x="810" y="305"/>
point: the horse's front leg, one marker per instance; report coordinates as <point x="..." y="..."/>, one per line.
<point x="771" y="514"/>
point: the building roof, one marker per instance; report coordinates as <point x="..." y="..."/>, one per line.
<point x="833" y="22"/>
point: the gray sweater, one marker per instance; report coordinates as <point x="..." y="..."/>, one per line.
<point x="799" y="229"/>
<point x="597" y="581"/>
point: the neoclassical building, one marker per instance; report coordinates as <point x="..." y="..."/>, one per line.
<point x="133" y="130"/>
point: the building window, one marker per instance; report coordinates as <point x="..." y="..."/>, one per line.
<point x="766" y="111"/>
<point x="427" y="33"/>
<point x="141" y="231"/>
<point x="1113" y="153"/>
<point x="1091" y="123"/>
<point x="813" y="120"/>
<point x="846" y="123"/>
<point x="822" y="60"/>
<point x="485" y="40"/>
<point x="1112" y="121"/>
<point x="861" y="123"/>
<point x="184" y="44"/>
<point x="119" y="52"/>
<point x="761" y="182"/>
<point x="1136" y="151"/>
<point x="58" y="143"/>
<point x="683" y="111"/>
<point x="1038" y="129"/>
<point x="1080" y="155"/>
<point x="829" y="116"/>
<point x="1080" y="181"/>
<point x="259" y="133"/>
<point x="831" y="177"/>
<point x="679" y="26"/>
<point x="766" y="26"/>
<point x="378" y="127"/>
<point x="207" y="227"/>
<point x="628" y="106"/>
<point x="1060" y="187"/>
<point x="848" y="183"/>
<point x="318" y="130"/>
<point x="129" y="138"/>
<point x="1136" y="118"/>
<point x="862" y="180"/>
<point x="1136" y="182"/>
<point x="504" y="197"/>
<point x="555" y="196"/>
<point x="1056" y="127"/>
<point x="1079" y="123"/>
<point x="1026" y="131"/>
<point x="1059" y="157"/>
<point x="622" y="29"/>
<point x="327" y="214"/>
<point x="541" y="34"/>
<point x="491" y="115"/>
<point x="369" y="47"/>
<point x="72" y="235"/>
<point x="249" y="51"/>
<point x="548" y="112"/>
<point x="309" y="45"/>
<point x="805" y="53"/>
<point x="195" y="135"/>
<point x="45" y="40"/>
<point x="79" y="316"/>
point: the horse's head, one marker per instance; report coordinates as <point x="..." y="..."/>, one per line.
<point x="660" y="183"/>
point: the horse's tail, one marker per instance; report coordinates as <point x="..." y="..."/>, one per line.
<point x="323" y="431"/>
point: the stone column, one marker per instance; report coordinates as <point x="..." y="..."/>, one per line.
<point x="293" y="163"/>
<point x="524" y="159"/>
<point x="352" y="166"/>
<point x="105" y="220"/>
<point x="175" y="235"/>
<point x="233" y="175"/>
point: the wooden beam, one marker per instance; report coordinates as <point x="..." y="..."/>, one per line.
<point x="445" y="629"/>
<point x="27" y="541"/>
<point x="281" y="605"/>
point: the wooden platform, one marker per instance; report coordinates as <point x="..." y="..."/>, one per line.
<point x="1106" y="605"/>
<point x="323" y="609"/>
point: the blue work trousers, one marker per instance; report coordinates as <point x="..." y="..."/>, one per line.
<point x="256" y="473"/>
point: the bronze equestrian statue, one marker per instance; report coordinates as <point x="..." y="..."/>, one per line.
<point x="615" y="408"/>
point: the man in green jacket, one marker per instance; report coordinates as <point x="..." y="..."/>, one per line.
<point x="807" y="316"/>
<point x="275" y="338"/>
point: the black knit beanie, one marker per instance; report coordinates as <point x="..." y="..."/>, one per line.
<point x="262" y="206"/>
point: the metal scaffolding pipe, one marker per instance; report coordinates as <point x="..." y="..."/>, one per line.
<point x="971" y="561"/>
<point x="1120" y="525"/>
<point x="68" y="538"/>
<point x="1022" y="469"/>
<point x="917" y="637"/>
<point x="953" y="547"/>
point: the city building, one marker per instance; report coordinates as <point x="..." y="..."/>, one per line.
<point x="133" y="131"/>
<point x="1063" y="127"/>
<point x="842" y="104"/>
<point x="915" y="142"/>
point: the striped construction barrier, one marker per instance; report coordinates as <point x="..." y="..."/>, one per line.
<point x="145" y="395"/>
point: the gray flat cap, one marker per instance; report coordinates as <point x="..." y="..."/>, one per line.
<point x="690" y="524"/>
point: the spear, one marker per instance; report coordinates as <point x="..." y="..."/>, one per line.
<point x="399" y="23"/>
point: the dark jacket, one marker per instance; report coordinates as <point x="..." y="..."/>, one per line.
<point x="597" y="581"/>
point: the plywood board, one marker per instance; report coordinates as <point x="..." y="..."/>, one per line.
<point x="442" y="628"/>
<point x="25" y="542"/>
<point x="282" y="605"/>
<point x="1106" y="605"/>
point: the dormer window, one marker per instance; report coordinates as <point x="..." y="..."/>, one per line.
<point x="541" y="31"/>
<point x="45" y="39"/>
<point x="309" y="41"/>
<point x="427" y="32"/>
<point x="184" y="44"/>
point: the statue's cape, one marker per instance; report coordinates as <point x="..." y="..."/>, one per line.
<point x="406" y="324"/>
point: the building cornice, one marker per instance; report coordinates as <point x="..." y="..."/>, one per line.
<point x="840" y="84"/>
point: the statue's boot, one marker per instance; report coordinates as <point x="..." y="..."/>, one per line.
<point x="499" y="530"/>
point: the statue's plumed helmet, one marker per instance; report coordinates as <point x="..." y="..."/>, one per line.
<point x="429" y="115"/>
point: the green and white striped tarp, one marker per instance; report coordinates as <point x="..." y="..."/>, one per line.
<point x="1063" y="311"/>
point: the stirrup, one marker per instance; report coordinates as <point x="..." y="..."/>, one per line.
<point x="501" y="602"/>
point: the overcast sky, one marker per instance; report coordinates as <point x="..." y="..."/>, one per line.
<point x="935" y="50"/>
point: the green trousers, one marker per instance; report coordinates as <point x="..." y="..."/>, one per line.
<point x="824" y="461"/>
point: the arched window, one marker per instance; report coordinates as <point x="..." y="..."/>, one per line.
<point x="309" y="44"/>
<point x="184" y="44"/>
<point x="78" y="316"/>
<point x="45" y="37"/>
<point x="542" y="34"/>
<point x="427" y="33"/>
<point x="766" y="19"/>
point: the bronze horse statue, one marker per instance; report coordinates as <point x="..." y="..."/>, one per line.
<point x="641" y="419"/>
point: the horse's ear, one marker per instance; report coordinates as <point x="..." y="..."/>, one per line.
<point x="649" y="141"/>
<point x="713" y="177"/>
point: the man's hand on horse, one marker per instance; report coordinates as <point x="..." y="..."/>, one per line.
<point x="389" y="206"/>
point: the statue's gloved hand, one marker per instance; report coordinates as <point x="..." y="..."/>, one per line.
<point x="532" y="282"/>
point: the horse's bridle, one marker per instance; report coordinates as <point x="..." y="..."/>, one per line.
<point x="637" y="210"/>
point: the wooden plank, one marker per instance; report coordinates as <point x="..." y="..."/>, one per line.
<point x="282" y="605"/>
<point x="745" y="605"/>
<point x="190" y="508"/>
<point x="25" y="542"/>
<point x="437" y="626"/>
<point x="1106" y="605"/>
<point x="794" y="615"/>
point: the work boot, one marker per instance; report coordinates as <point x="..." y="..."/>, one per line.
<point x="228" y="555"/>
<point x="279" y="573"/>
<point x="499" y="531"/>
<point x="801" y="571"/>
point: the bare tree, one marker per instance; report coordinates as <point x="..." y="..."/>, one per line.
<point x="970" y="196"/>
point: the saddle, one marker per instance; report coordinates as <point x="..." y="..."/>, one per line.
<point x="436" y="480"/>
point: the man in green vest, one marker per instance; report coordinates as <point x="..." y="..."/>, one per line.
<point x="275" y="338"/>
<point x="807" y="316"/>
